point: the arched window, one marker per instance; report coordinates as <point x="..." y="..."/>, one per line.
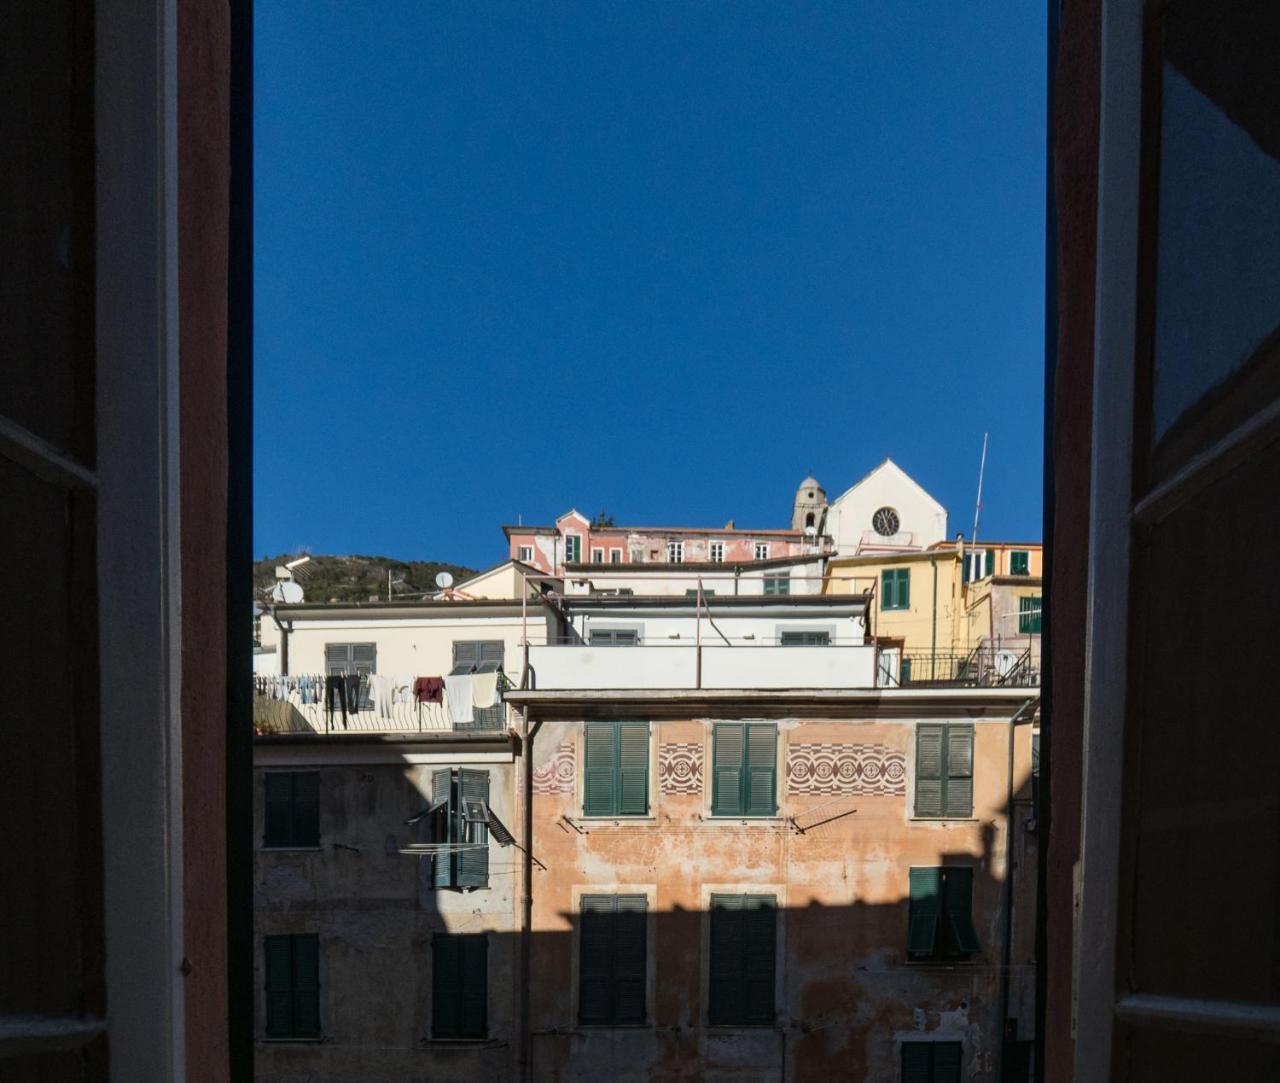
<point x="808" y="519"/>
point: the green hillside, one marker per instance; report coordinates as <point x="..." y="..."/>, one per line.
<point x="355" y="578"/>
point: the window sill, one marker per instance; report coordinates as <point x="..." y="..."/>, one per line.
<point x="291" y="849"/>
<point x="614" y="1026"/>
<point x="463" y="1043"/>
<point x="942" y="964"/>
<point x="292" y="1041"/>
<point x="725" y="1029"/>
<point x="945" y="819"/>
<point x="737" y="818"/>
<point x="647" y="819"/>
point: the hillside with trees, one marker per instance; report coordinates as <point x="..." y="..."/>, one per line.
<point x="356" y="578"/>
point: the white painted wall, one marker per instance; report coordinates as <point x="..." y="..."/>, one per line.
<point x="656" y="630"/>
<point x="923" y="521"/>
<point x="805" y="579"/>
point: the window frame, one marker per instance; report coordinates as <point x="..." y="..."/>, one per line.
<point x="761" y="550"/>
<point x="290" y="838"/>
<point x="617" y="770"/>
<point x="448" y="871"/>
<point x="291" y="989"/>
<point x="615" y="555"/>
<point x="440" y="941"/>
<point x="1030" y="617"/>
<point x="955" y="888"/>
<point x="1020" y="562"/>
<point x="931" y="1068"/>
<point x="946" y="777"/>
<point x="772" y="583"/>
<point x="642" y="895"/>
<point x="827" y="634"/>
<point x="745" y="769"/>
<point x="597" y="554"/>
<point x="612" y="630"/>
<point x="573" y="548"/>
<point x="770" y="900"/>
<point x="715" y="552"/>
<point x="898" y="599"/>
<point x="675" y="552"/>
<point x="524" y="554"/>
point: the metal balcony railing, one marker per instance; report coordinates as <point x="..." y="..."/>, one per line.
<point x="982" y="667"/>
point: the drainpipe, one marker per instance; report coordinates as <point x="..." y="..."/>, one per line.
<point x="933" y="640"/>
<point x="526" y="897"/>
<point x="284" y="643"/>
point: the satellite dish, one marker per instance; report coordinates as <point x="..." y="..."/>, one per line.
<point x="444" y="580"/>
<point x="287" y="591"/>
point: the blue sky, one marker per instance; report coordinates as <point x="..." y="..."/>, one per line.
<point x="663" y="258"/>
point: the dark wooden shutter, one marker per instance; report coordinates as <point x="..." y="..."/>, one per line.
<point x="446" y="986"/>
<point x="759" y="957"/>
<point x="630" y="959"/>
<point x="916" y="1062"/>
<point x="887" y="590"/>
<point x="599" y="776"/>
<point x="277" y="825"/>
<point x="473" y="864"/>
<point x="278" y="963"/>
<point x="727" y="753"/>
<point x="726" y="962"/>
<point x="959" y="766"/>
<point x="306" y="808"/>
<point x="633" y="768"/>
<point x="306" y="986"/>
<point x="946" y="1062"/>
<point x="904" y="588"/>
<point x="1019" y="562"/>
<point x="442" y="792"/>
<point x="990" y="563"/>
<point x="761" y="782"/>
<point x="925" y="911"/>
<point x="959" y="909"/>
<point x="474" y="1000"/>
<point x="595" y="958"/>
<point x="929" y="778"/>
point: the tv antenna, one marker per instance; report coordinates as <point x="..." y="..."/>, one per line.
<point x="982" y="468"/>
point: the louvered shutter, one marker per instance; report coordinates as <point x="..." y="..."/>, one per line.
<point x="492" y="650"/>
<point x="990" y="562"/>
<point x="727" y="976"/>
<point x="306" y="808"/>
<point x="446" y="986"/>
<point x="277" y="961"/>
<point x="633" y="768"/>
<point x="595" y="958"/>
<point x="959" y="909"/>
<point x="630" y="958"/>
<point x="726" y="781"/>
<point x="958" y="798"/>
<point x="946" y="1062"/>
<point x="925" y="911"/>
<point x="364" y="657"/>
<point x="474" y="1000"/>
<point x="762" y="771"/>
<point x="759" y="957"/>
<point x="929" y="779"/>
<point x="306" y="986"/>
<point x="337" y="659"/>
<point x="277" y="826"/>
<point x="442" y="791"/>
<point x="473" y="864"/>
<point x="916" y="1062"/>
<point x="886" y="590"/>
<point x="904" y="588"/>
<point x="600" y="769"/>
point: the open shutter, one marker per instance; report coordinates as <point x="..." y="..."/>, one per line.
<point x="925" y="910"/>
<point x="306" y="986"/>
<point x="916" y="1062"/>
<point x="959" y="787"/>
<point x="760" y="930"/>
<point x="277" y="826"/>
<point x="929" y="752"/>
<point x="595" y="958"/>
<point x="600" y="769"/>
<point x="446" y="986"/>
<point x="277" y="959"/>
<point x="959" y="907"/>
<point x="633" y="768"/>
<point x="762" y="770"/>
<point x="727" y="984"/>
<point x="726" y="765"/>
<point x="473" y="864"/>
<point x="473" y="1002"/>
<point x="630" y="958"/>
<point x="442" y="794"/>
<point x="306" y="808"/>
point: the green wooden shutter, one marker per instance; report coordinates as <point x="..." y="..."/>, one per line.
<point x="306" y="808"/>
<point x="630" y="959"/>
<point x="632" y="787"/>
<point x="727" y="977"/>
<point x="277" y="825"/>
<point x="1029" y="614"/>
<point x="904" y="588"/>
<point x="958" y="797"/>
<point x="916" y="1062"/>
<point x="277" y="961"/>
<point x="306" y="986"/>
<point x="959" y="909"/>
<point x="442" y="792"/>
<point x="760" y="781"/>
<point x="473" y="865"/>
<point x="946" y="1062"/>
<point x="446" y="986"/>
<point x="760" y="931"/>
<point x="595" y="958"/>
<point x="925" y="910"/>
<point x="929" y="778"/>
<point x="887" y="590"/>
<point x="474" y="1000"/>
<point x="1019" y="562"/>
<point x="990" y="563"/>
<point x="599" y="776"/>
<point x="727" y="750"/>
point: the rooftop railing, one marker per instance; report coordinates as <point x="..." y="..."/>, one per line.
<point x="982" y="667"/>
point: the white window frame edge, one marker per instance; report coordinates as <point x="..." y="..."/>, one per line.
<point x="1106" y="632"/>
<point x="139" y="569"/>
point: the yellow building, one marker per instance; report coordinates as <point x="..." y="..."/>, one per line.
<point x="951" y="612"/>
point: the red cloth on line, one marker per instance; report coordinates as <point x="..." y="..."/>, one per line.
<point x="429" y="689"/>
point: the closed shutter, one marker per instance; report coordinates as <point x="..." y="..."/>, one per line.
<point x="633" y="768"/>
<point x="959" y="908"/>
<point x="364" y="657"/>
<point x="946" y="1062"/>
<point x="337" y="659"/>
<point x="473" y="864"/>
<point x="306" y="808"/>
<point x="446" y="986"/>
<point x="760" y="955"/>
<point x="1019" y="562"/>
<point x="442" y="794"/>
<point x="959" y="784"/>
<point x="929" y="778"/>
<point x="727" y="977"/>
<point x="727" y="754"/>
<point x="989" y="563"/>
<point x="1029" y="615"/>
<point x="762" y="771"/>
<point x="630" y="959"/>
<point x="278" y="963"/>
<point x="904" y="588"/>
<point x="600" y="769"/>
<point x="474" y="1001"/>
<point x="595" y="956"/>
<point x="277" y="826"/>
<point x="925" y="910"/>
<point x="306" y="986"/>
<point x="916" y="1062"/>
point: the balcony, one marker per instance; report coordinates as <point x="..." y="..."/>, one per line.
<point x="983" y="667"/>
<point x="299" y="704"/>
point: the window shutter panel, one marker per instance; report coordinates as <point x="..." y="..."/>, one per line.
<point x="929" y="770"/>
<point x="959" y="906"/>
<point x="726" y="755"/>
<point x="959" y="787"/>
<point x="633" y="768"/>
<point x="492" y="650"/>
<point x="595" y="957"/>
<point x="446" y="986"/>
<point x="337" y="659"/>
<point x="600" y="769"/>
<point x="630" y="958"/>
<point x="364" y="657"/>
<point x="306" y="986"/>
<point x="916" y="1062"/>
<point x="474" y="1000"/>
<point x="277" y="959"/>
<point x="925" y="910"/>
<point x="442" y="790"/>
<point x="904" y="588"/>
<point x="886" y="590"/>
<point x="277" y="824"/>
<point x="990" y="562"/>
<point x="946" y="1062"/>
<point x="727" y="987"/>
<point x="762" y="774"/>
<point x="306" y="808"/>
<point x="759" y="956"/>
<point x="473" y="865"/>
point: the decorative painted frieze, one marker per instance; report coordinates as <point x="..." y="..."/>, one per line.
<point x="680" y="767"/>
<point x="840" y="768"/>
<point x="557" y="774"/>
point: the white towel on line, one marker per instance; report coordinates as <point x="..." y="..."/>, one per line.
<point x="457" y="692"/>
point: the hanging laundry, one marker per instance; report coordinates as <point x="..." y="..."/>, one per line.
<point x="484" y="689"/>
<point x="335" y="688"/>
<point x="380" y="692"/>
<point x="402" y="688"/>
<point x="458" y="692"/>
<point x="429" y="689"/>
